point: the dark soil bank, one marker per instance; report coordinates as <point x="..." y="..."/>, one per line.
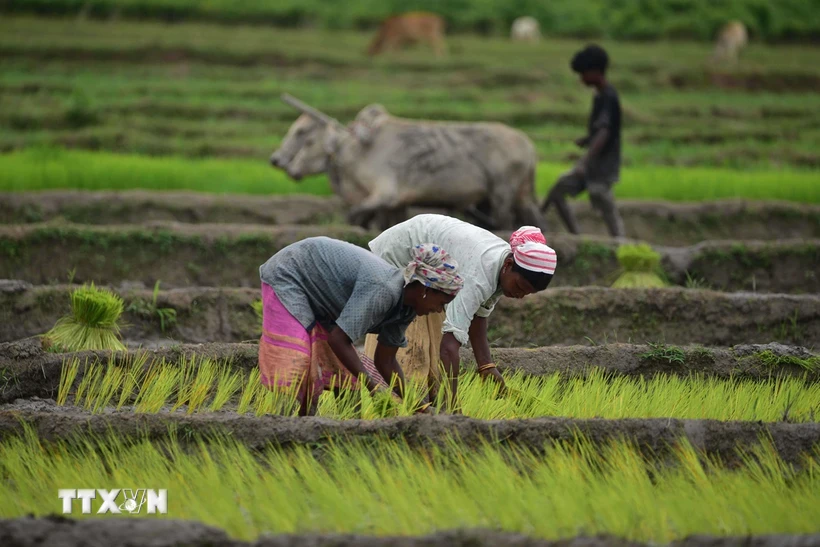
<point x="138" y="206"/>
<point x="181" y="255"/>
<point x="132" y="532"/>
<point x="664" y="223"/>
<point x="30" y="371"/>
<point x="655" y="437"/>
<point x="557" y="316"/>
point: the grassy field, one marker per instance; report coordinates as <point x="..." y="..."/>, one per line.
<point x="201" y="385"/>
<point x="202" y="90"/>
<point x="53" y="169"/>
<point x="785" y="19"/>
<point x="389" y="488"/>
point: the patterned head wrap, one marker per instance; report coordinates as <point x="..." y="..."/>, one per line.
<point x="531" y="252"/>
<point x="526" y="233"/>
<point x="433" y="267"/>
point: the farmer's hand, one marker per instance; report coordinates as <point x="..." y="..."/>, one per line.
<point x="427" y="408"/>
<point x="581" y="142"/>
<point x="495" y="376"/>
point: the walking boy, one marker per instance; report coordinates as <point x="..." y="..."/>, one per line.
<point x="599" y="168"/>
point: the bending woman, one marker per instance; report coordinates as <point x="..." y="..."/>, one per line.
<point x="320" y="295"/>
<point x="491" y="268"/>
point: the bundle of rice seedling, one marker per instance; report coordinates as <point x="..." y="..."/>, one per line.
<point x="640" y="267"/>
<point x="92" y="324"/>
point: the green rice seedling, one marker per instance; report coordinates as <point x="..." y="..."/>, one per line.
<point x="389" y="487"/>
<point x="227" y="384"/>
<point x="134" y="370"/>
<point x="92" y="323"/>
<point x="203" y="384"/>
<point x="158" y="386"/>
<point x="252" y="384"/>
<point x="68" y="373"/>
<point x="110" y="383"/>
<point x="281" y="401"/>
<point x="91" y="375"/>
<point x="640" y="264"/>
<point x="187" y="370"/>
<point x="598" y="394"/>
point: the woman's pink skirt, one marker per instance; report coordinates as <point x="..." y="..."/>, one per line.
<point x="290" y="354"/>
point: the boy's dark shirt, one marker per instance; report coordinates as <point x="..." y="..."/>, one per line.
<point x="606" y="112"/>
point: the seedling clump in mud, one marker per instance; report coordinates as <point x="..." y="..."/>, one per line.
<point x="640" y="265"/>
<point x="92" y="324"/>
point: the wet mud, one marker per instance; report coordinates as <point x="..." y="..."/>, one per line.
<point x="661" y="222"/>
<point x="229" y="255"/>
<point x="562" y="316"/>
<point x="655" y="437"/>
<point x="123" y="531"/>
<point x="28" y="370"/>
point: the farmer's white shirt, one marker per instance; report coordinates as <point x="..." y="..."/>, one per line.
<point x="479" y="253"/>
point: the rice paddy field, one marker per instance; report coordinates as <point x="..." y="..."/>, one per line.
<point x="137" y="203"/>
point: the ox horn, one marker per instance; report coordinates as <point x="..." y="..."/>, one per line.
<point x="309" y="110"/>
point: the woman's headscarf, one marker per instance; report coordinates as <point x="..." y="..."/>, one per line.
<point x="433" y="267"/>
<point x="530" y="250"/>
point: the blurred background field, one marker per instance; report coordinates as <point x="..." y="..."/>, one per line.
<point x="195" y="89"/>
<point x="54" y="169"/>
<point x="621" y="19"/>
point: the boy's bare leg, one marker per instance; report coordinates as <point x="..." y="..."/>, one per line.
<point x="603" y="199"/>
<point x="568" y="184"/>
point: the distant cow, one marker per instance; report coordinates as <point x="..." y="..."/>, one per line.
<point x="410" y="28"/>
<point x="525" y="29"/>
<point x="731" y="39"/>
<point x="381" y="165"/>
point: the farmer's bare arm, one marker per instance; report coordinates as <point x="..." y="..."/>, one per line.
<point x="388" y="367"/>
<point x="342" y="346"/>
<point x="481" y="349"/>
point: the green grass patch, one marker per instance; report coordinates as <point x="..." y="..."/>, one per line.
<point x="388" y="488"/>
<point x="199" y="385"/>
<point x="53" y="169"/>
<point x="662" y="352"/>
<point x="770" y="359"/>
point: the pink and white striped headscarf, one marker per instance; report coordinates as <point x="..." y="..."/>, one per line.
<point x="530" y="250"/>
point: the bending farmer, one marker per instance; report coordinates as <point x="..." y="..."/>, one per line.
<point x="599" y="169"/>
<point x="490" y="266"/>
<point x="320" y="295"/>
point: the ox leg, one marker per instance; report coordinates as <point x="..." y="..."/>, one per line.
<point x="386" y="219"/>
<point x="374" y="204"/>
<point x="503" y="210"/>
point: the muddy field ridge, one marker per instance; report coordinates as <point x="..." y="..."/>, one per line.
<point x="557" y="316"/>
<point x="229" y="255"/>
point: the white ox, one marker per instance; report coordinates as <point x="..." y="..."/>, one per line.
<point x="525" y="29"/>
<point x="381" y="165"/>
